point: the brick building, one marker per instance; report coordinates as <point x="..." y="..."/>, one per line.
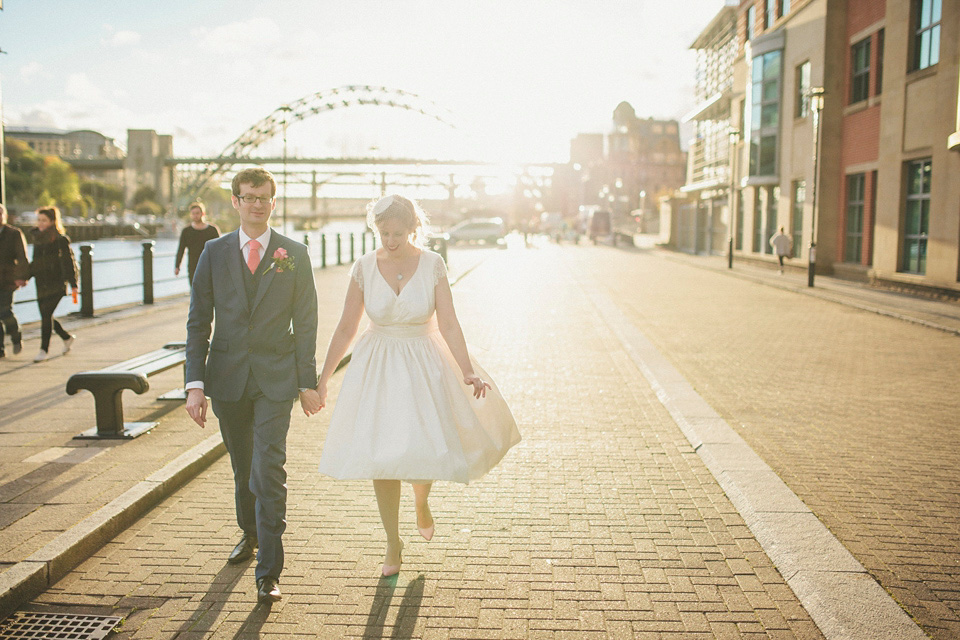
<point x="887" y="193"/>
<point x="631" y="166"/>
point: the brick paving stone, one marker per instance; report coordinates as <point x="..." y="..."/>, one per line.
<point x="602" y="523"/>
<point x="856" y="412"/>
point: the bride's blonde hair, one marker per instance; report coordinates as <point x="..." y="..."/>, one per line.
<point x="404" y="210"/>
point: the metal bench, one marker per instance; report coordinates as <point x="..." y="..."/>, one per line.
<point x="107" y="386"/>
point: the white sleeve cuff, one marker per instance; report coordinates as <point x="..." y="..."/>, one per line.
<point x="196" y="384"/>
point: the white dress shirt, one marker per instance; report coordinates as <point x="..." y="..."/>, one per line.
<point x="264" y="241"/>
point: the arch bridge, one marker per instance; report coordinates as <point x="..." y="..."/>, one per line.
<point x="181" y="180"/>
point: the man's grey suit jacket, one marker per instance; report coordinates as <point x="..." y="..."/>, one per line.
<point x="274" y="338"/>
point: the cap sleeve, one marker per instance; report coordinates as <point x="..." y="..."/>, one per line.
<point x="356" y="272"/>
<point x="439" y="269"/>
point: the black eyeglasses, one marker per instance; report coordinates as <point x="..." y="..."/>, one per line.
<point x="249" y="199"/>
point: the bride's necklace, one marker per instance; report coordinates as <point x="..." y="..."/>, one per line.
<point x="399" y="276"/>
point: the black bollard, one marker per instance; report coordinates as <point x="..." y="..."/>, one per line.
<point x="86" y="281"/>
<point x="363" y="243"/>
<point x="323" y="251"/>
<point x="339" y="243"/>
<point x="148" y="272"/>
<point x="351" y="248"/>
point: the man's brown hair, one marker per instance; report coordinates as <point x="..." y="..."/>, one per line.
<point x="254" y="176"/>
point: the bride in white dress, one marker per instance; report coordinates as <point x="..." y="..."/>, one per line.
<point x="403" y="413"/>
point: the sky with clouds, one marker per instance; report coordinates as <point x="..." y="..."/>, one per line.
<point x="521" y="77"/>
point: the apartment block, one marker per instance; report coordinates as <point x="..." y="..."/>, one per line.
<point x="843" y="121"/>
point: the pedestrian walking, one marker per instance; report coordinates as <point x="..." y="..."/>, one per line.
<point x="258" y="286"/>
<point x="403" y="413"/>
<point x="14" y="273"/>
<point x="53" y="269"/>
<point x="782" y="245"/>
<point x="193" y="238"/>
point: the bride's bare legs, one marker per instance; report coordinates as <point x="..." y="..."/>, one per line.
<point x="388" y="501"/>
<point x="424" y="518"/>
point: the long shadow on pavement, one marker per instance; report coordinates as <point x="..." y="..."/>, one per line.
<point x="409" y="609"/>
<point x="254" y="623"/>
<point x="217" y="595"/>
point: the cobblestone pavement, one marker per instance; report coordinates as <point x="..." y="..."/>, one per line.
<point x="602" y="523"/>
<point x="50" y="482"/>
<point x="856" y="412"/>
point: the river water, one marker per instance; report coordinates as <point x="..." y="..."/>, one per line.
<point x="118" y="262"/>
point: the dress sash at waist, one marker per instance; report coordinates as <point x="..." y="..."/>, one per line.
<point x="404" y="330"/>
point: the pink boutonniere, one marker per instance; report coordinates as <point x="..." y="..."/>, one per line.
<point x="282" y="261"/>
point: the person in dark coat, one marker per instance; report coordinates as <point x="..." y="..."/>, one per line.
<point x="53" y="269"/>
<point x="193" y="238"/>
<point x="14" y="273"/>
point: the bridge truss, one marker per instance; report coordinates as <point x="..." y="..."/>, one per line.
<point x="240" y="150"/>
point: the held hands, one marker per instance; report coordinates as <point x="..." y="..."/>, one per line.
<point x="20" y="283"/>
<point x="322" y="393"/>
<point x="197" y="406"/>
<point x="310" y="402"/>
<point x="479" y="386"/>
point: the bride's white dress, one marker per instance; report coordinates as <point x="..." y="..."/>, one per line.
<point x="403" y="412"/>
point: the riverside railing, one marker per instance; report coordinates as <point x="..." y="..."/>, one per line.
<point x="329" y="249"/>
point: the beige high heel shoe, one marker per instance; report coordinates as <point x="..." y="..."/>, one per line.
<point x="393" y="569"/>
<point x="427" y="532"/>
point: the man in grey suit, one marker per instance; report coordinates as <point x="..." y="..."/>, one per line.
<point x="259" y="286"/>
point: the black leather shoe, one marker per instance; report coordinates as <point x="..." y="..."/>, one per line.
<point x="243" y="550"/>
<point x="17" y="340"/>
<point x="267" y="590"/>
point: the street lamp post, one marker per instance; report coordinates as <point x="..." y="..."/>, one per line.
<point x="734" y="140"/>
<point x="816" y="103"/>
<point x="286" y="110"/>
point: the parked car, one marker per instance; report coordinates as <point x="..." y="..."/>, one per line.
<point x="603" y="225"/>
<point x="487" y="230"/>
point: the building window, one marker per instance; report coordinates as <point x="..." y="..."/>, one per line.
<point x="853" y="244"/>
<point x="739" y="237"/>
<point x="860" y="66"/>
<point x="917" y="218"/>
<point x="773" y="199"/>
<point x="764" y="113"/>
<point x="799" y="200"/>
<point x="878" y="89"/>
<point x="803" y="89"/>
<point x="751" y="21"/>
<point x="757" y="222"/>
<point x="769" y="14"/>
<point x="926" y="39"/>
<point x="784" y="7"/>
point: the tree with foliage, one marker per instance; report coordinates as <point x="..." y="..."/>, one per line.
<point x="145" y="201"/>
<point x="24" y="171"/>
<point x="144" y="193"/>
<point x="101" y="197"/>
<point x="61" y="185"/>
<point x="37" y="180"/>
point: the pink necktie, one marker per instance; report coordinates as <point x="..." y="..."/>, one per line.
<point x="253" y="258"/>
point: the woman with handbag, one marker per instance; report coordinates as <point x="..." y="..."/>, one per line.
<point x="53" y="269"/>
